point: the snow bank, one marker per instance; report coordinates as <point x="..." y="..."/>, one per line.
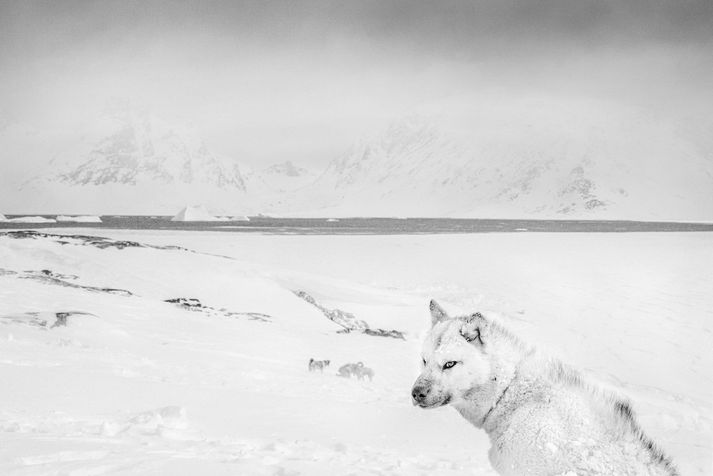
<point x="195" y="213"/>
<point x="79" y="219"/>
<point x="33" y="219"/>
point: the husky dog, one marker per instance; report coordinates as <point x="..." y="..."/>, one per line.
<point x="318" y="365"/>
<point x="363" y="372"/>
<point x="542" y="417"/>
<point x="347" y="370"/>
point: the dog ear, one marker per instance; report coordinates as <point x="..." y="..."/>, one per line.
<point x="437" y="313"/>
<point x="472" y="328"/>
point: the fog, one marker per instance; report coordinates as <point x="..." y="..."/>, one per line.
<point x="319" y="75"/>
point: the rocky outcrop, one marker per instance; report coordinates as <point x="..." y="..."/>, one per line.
<point x="84" y="240"/>
<point x="47" y="276"/>
<point x="43" y="320"/>
<point x="345" y="319"/>
<point x="193" y="304"/>
<point x="348" y="321"/>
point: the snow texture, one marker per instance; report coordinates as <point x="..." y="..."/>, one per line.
<point x="99" y="382"/>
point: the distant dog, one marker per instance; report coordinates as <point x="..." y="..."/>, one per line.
<point x="542" y="418"/>
<point x="347" y="370"/>
<point x="363" y="372"/>
<point x="357" y="370"/>
<point x="315" y="365"/>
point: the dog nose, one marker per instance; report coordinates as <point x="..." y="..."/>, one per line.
<point x="419" y="393"/>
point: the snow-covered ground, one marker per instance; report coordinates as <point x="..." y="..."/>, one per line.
<point x="135" y="385"/>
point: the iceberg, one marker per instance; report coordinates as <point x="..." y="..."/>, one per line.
<point x="79" y="219"/>
<point x="195" y="213"/>
<point x="31" y="219"/>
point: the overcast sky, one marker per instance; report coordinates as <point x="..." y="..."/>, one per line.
<point x="267" y="81"/>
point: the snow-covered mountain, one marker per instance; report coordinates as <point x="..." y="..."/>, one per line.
<point x="522" y="158"/>
<point x="127" y="156"/>
<point x="490" y="156"/>
<point x="287" y="176"/>
<point x="135" y="148"/>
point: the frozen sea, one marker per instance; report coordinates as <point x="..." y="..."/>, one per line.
<point x="374" y="226"/>
<point x="104" y="372"/>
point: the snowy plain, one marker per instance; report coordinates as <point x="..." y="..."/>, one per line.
<point x="136" y="385"/>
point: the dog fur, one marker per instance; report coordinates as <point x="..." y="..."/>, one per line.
<point x="315" y="365"/>
<point x="542" y="418"/>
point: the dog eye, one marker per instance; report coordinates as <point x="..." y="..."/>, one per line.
<point x="449" y="364"/>
<point x="424" y="362"/>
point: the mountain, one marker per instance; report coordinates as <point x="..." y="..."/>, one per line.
<point x="521" y="158"/>
<point x="490" y="156"/>
<point x="132" y="161"/>
<point x="287" y="176"/>
<point x="137" y="148"/>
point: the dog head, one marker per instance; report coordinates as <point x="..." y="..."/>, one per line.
<point x="454" y="359"/>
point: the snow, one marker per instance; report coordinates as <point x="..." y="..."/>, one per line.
<point x="136" y="385"/>
<point x="195" y="213"/>
<point x="79" y="219"/>
<point x="286" y="176"/>
<point x="512" y="156"/>
<point x="496" y="154"/>
<point x="2" y="217"/>
<point x="32" y="219"/>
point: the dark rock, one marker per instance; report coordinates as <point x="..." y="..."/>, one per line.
<point x="193" y="304"/>
<point x="342" y="318"/>
<point x="348" y="321"/>
<point x="42" y="319"/>
<point x="85" y="240"/>
<point x="46" y="276"/>
<point x="61" y="319"/>
<point x="186" y="302"/>
<point x="385" y="333"/>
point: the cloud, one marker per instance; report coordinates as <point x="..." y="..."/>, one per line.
<point x="317" y="74"/>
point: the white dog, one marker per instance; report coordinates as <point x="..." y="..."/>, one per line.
<point x="315" y="365"/>
<point x="362" y="372"/>
<point x="542" y="418"/>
